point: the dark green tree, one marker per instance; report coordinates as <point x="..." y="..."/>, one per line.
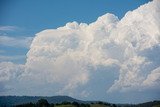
<point x="114" y="105"/>
<point x="65" y="103"/>
<point x="76" y="104"/>
<point x="42" y="103"/>
<point x="26" y="105"/>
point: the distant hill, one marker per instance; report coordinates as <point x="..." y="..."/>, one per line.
<point x="7" y="101"/>
<point x="17" y="100"/>
<point x="146" y="104"/>
<point x="149" y="104"/>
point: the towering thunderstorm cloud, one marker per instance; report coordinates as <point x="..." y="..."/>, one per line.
<point x="65" y="59"/>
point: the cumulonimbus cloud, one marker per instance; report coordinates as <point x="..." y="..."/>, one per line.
<point x="67" y="55"/>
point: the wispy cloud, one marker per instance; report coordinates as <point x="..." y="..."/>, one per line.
<point x="11" y="58"/>
<point x="16" y="41"/>
<point x="2" y="51"/>
<point x="8" y="28"/>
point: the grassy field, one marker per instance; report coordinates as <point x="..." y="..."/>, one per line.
<point x="98" y="105"/>
<point x="91" y="105"/>
<point x="68" y="105"/>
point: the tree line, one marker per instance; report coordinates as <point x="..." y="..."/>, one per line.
<point x="44" y="103"/>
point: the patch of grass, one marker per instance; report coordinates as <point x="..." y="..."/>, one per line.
<point x="68" y="105"/>
<point x="156" y="106"/>
<point x="98" y="105"/>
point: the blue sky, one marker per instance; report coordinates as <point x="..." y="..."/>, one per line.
<point x="20" y="20"/>
<point x="33" y="16"/>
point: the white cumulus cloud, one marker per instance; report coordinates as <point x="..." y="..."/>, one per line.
<point x="65" y="55"/>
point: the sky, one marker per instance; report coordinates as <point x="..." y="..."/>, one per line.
<point x="26" y="18"/>
<point x="91" y="50"/>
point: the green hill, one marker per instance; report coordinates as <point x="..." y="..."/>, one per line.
<point x="62" y="101"/>
<point x="16" y="100"/>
